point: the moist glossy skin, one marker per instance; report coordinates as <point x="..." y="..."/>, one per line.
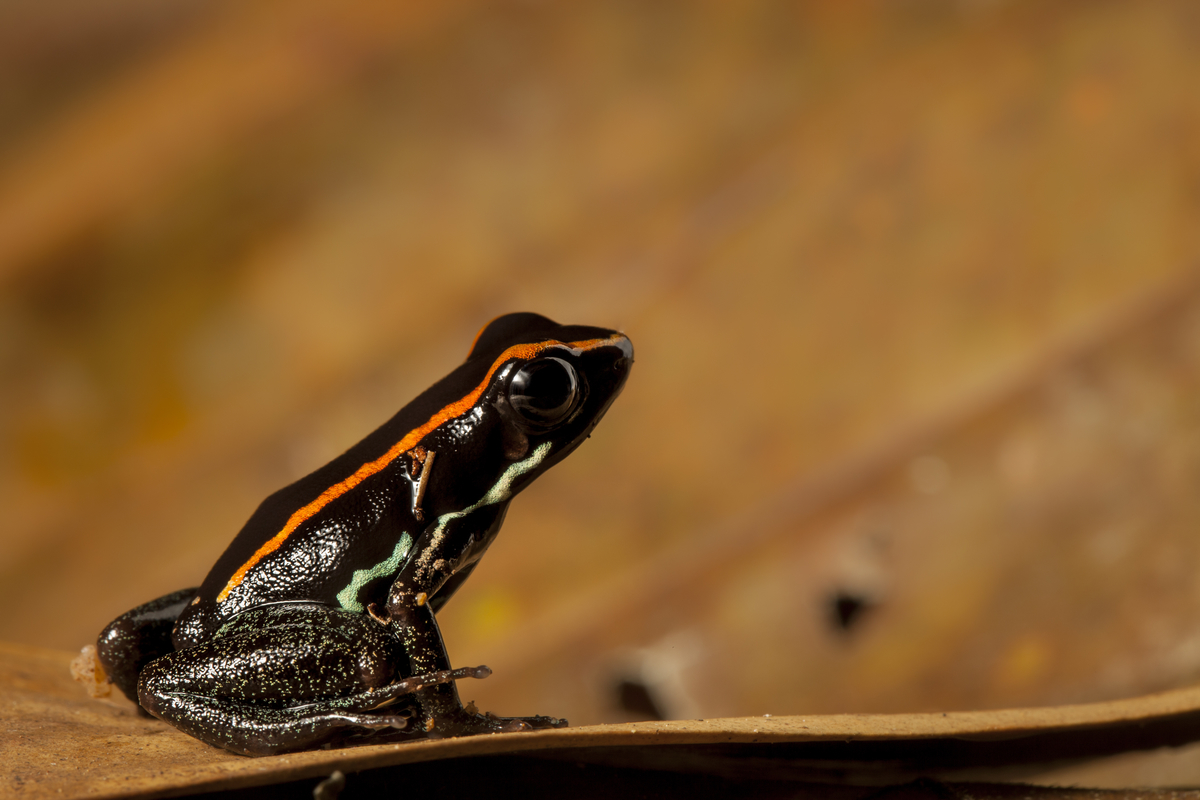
<point x="317" y="624"/>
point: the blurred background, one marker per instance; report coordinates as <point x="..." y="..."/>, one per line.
<point x="915" y="420"/>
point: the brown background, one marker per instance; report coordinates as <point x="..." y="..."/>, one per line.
<point x="911" y="286"/>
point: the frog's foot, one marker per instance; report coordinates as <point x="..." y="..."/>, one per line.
<point x="386" y="695"/>
<point x="377" y="722"/>
<point x="466" y="722"/>
<point x="535" y="723"/>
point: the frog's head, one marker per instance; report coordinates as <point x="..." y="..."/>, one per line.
<point x="553" y="383"/>
<point x="539" y="390"/>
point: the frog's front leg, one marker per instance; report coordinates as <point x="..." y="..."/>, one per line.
<point x="288" y="677"/>
<point x="410" y="609"/>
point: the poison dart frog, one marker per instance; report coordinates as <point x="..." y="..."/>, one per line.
<point x="316" y="627"/>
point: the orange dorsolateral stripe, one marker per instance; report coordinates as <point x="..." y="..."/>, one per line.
<point x="410" y="440"/>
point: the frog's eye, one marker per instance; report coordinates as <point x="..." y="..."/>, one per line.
<point x="544" y="392"/>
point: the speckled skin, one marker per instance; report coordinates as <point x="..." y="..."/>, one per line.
<point x="239" y="689"/>
<point x="139" y="636"/>
<point x="310" y="629"/>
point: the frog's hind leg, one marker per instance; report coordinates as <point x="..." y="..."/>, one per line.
<point x="253" y="729"/>
<point x="137" y="637"/>
<point x="289" y="677"/>
<point x="257" y="730"/>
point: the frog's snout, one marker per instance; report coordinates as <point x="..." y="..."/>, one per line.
<point x="626" y="347"/>
<point x="622" y="363"/>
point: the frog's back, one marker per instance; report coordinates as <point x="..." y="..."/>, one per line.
<point x="319" y="530"/>
<point x="337" y="533"/>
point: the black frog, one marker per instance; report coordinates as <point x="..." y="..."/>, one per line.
<point x="316" y="626"/>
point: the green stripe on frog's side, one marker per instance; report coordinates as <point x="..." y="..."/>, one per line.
<point x="348" y="597"/>
<point x="500" y="492"/>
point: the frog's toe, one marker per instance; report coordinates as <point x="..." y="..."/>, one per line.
<point x="513" y="726"/>
<point x="378" y="722"/>
<point x="517" y="724"/>
<point x="541" y="723"/>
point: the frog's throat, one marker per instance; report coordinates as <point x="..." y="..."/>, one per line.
<point x="501" y="491"/>
<point x="409" y="441"/>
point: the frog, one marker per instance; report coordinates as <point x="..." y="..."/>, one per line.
<point x="317" y="626"/>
